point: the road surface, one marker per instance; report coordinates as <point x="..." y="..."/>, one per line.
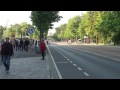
<point x="90" y="62"/>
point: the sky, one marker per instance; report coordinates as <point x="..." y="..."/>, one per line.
<point x="12" y="17"/>
<point x="66" y="16"/>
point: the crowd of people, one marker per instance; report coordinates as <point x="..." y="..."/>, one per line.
<point x="24" y="44"/>
<point x="8" y="46"/>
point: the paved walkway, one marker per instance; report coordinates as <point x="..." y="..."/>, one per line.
<point x="65" y="43"/>
<point x="26" y="68"/>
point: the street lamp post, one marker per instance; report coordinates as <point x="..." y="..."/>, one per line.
<point x="7" y="27"/>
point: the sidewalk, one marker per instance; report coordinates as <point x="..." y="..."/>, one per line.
<point x="26" y="68"/>
<point x="64" y="43"/>
<point x="84" y="44"/>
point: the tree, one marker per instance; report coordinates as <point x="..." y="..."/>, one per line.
<point x="81" y="30"/>
<point x="62" y="29"/>
<point x="36" y="34"/>
<point x="43" y="20"/>
<point x="99" y="26"/>
<point x="24" y="28"/>
<point x="72" y="27"/>
<point x="2" y="29"/>
<point x="55" y="36"/>
<point x="19" y="30"/>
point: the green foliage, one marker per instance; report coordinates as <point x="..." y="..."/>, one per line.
<point x="2" y="29"/>
<point x="55" y="36"/>
<point x="19" y="30"/>
<point x="72" y="27"/>
<point x="104" y="25"/>
<point x="36" y="34"/>
<point x="43" y="20"/>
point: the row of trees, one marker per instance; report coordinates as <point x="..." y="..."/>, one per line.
<point x="19" y="30"/>
<point x="96" y="25"/>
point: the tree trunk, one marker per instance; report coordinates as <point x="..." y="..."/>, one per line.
<point x="96" y="40"/>
<point x="40" y="35"/>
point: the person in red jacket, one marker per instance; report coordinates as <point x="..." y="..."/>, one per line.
<point x="42" y="49"/>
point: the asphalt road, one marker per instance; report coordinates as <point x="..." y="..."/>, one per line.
<point x="77" y="64"/>
<point x="107" y="51"/>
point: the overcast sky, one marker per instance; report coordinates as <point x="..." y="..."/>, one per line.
<point x="11" y="17"/>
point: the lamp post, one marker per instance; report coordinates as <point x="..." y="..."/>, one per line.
<point x="7" y="27"/>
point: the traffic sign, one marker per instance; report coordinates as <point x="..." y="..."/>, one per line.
<point x="31" y="31"/>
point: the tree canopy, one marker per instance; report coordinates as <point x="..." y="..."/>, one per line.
<point x="43" y="20"/>
<point x="98" y="26"/>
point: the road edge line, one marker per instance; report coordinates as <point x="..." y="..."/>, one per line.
<point x="59" y="75"/>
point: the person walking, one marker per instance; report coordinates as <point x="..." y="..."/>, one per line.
<point x="6" y="52"/>
<point x="16" y="45"/>
<point x="26" y="44"/>
<point x="42" y="49"/>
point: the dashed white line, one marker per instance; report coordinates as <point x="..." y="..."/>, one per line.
<point x="79" y="68"/>
<point x="74" y="64"/>
<point x="68" y="59"/>
<point x="71" y="61"/>
<point x="58" y="72"/>
<point x="60" y="52"/>
<point x="86" y="74"/>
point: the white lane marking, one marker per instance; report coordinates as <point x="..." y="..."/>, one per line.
<point x="79" y="68"/>
<point x="60" y="53"/>
<point x="95" y="54"/>
<point x="86" y="74"/>
<point x="68" y="59"/>
<point x="74" y="64"/>
<point x="71" y="61"/>
<point x="60" y="77"/>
